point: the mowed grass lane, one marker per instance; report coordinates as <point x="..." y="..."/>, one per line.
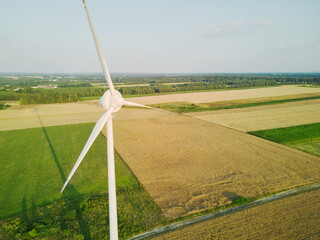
<point x="34" y="163"/>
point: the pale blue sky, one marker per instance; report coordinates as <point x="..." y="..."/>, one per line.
<point x="167" y="36"/>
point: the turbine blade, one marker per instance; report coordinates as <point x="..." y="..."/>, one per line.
<point x="96" y="130"/>
<point x="98" y="47"/>
<point x="127" y="103"/>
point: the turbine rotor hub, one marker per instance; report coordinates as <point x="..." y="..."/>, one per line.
<point x="115" y="100"/>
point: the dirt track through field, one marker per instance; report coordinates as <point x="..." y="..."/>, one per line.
<point x="216" y="96"/>
<point x="264" y="117"/>
<point x="189" y="165"/>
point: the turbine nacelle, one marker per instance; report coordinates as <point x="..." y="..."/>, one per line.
<point x="112" y="99"/>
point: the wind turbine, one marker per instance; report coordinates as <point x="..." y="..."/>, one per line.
<point x="112" y="101"/>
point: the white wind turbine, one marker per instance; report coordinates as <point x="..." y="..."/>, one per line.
<point x="112" y="101"/>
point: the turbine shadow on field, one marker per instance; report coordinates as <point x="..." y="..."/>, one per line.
<point x="63" y="177"/>
<point x="231" y="196"/>
<point x="70" y="191"/>
<point x="24" y="205"/>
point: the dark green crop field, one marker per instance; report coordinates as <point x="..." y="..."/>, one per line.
<point x="303" y="137"/>
<point x="291" y="134"/>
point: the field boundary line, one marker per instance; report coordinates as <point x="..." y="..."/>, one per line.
<point x="173" y="226"/>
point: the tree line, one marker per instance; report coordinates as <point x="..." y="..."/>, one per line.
<point x="71" y="92"/>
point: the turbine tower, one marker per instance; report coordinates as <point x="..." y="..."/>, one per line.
<point x="112" y="101"/>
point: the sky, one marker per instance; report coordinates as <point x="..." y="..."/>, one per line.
<point x="167" y="36"/>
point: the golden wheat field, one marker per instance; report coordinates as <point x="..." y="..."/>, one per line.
<point x="264" y="117"/>
<point x="189" y="165"/>
<point x="295" y="217"/>
<point x="216" y="96"/>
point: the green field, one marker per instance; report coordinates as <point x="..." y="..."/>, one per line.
<point x="303" y="137"/>
<point x="86" y="217"/>
<point x="34" y="164"/>
<point x="185" y="107"/>
<point x="291" y="134"/>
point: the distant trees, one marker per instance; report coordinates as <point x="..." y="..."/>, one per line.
<point x="9" y="96"/>
<point x="4" y="106"/>
<point x="68" y="91"/>
<point x="48" y="97"/>
<point x="74" y="85"/>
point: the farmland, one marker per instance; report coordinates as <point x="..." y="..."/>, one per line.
<point x="86" y="217"/>
<point x="294" y="217"/>
<point x="217" y="96"/>
<point x="304" y="137"/>
<point x="31" y="116"/>
<point x="33" y="176"/>
<point x="184" y="107"/>
<point x="185" y="164"/>
<point x="35" y="173"/>
<point x="188" y="165"/>
<point x="264" y="117"/>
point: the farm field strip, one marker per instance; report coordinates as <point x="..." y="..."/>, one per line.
<point x="184" y="107"/>
<point x="188" y="165"/>
<point x="264" y="117"/>
<point x="31" y="116"/>
<point x="216" y="96"/>
<point x="157" y="233"/>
